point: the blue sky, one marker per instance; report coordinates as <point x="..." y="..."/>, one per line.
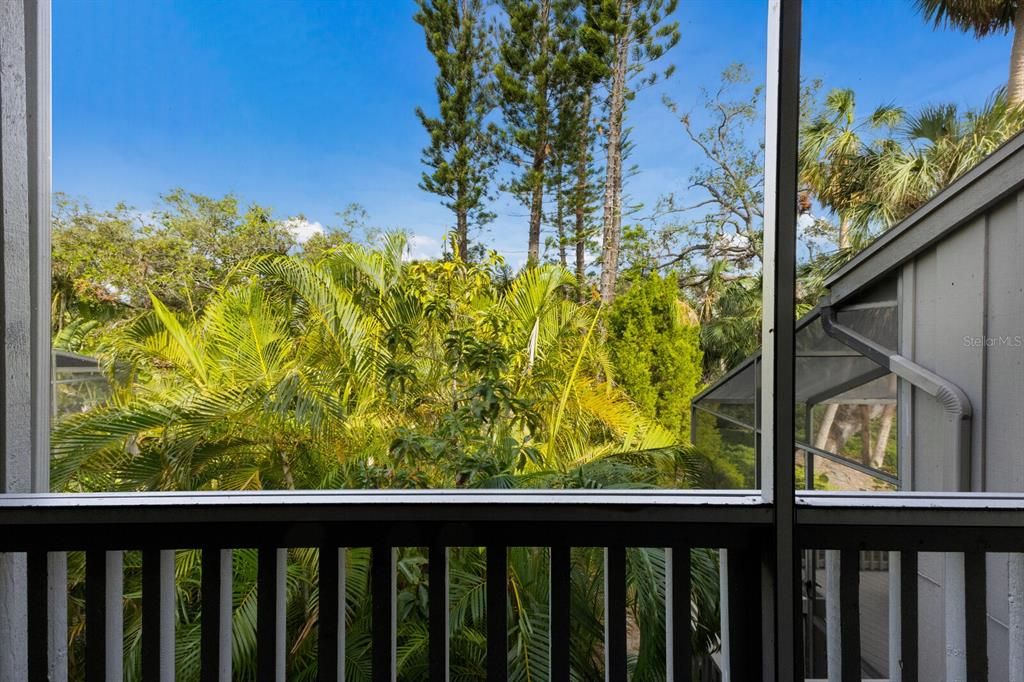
<point x="307" y="105"/>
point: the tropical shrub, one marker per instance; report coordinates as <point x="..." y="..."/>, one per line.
<point x="361" y="369"/>
<point x="654" y="342"/>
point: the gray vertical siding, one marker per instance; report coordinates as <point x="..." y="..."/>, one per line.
<point x="962" y="316"/>
<point x="15" y="325"/>
<point x="1003" y="425"/>
<point x="948" y="305"/>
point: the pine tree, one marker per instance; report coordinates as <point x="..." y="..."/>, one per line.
<point x="575" y="139"/>
<point x="533" y="71"/>
<point x="632" y="34"/>
<point x="460" y="156"/>
<point x="582" y="190"/>
<point x="561" y="194"/>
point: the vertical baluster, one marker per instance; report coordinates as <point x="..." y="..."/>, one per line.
<point x="280" y="625"/>
<point x="438" y="623"/>
<point x="115" y="615"/>
<point x="157" y="615"/>
<point x="96" y="616"/>
<point x="615" y="613"/>
<point x="382" y="576"/>
<point x="57" y="563"/>
<point x="267" y="615"/>
<point x="908" y="616"/>
<point x="742" y="603"/>
<point x="497" y="623"/>
<point x="895" y="652"/>
<point x="975" y="615"/>
<point x="1015" y="568"/>
<point x="849" y="614"/>
<point x="724" y="621"/>
<point x="209" y="634"/>
<point x="215" y="634"/>
<point x="38" y="621"/>
<point x="151" y="614"/>
<point x="810" y="596"/>
<point x="679" y="666"/>
<point x="833" y="618"/>
<point x="561" y="586"/>
<point x="954" y="589"/>
<point x="327" y="648"/>
<point x="342" y="609"/>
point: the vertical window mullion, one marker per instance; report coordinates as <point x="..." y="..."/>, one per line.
<point x="781" y="635"/>
<point x="38" y="115"/>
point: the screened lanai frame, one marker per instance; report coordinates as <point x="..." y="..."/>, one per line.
<point x="826" y="372"/>
<point x="78" y="382"/>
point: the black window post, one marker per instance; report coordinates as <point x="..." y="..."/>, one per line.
<point x="781" y="629"/>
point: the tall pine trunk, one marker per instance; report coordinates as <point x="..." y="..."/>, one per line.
<point x="536" y="206"/>
<point x="1015" y="87"/>
<point x="560" y="217"/>
<point x="581" y="267"/>
<point x="612" y="219"/>
<point x="462" y="232"/>
<point x="580" y="197"/>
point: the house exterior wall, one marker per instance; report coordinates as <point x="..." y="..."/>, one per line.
<point x="962" y="316"/>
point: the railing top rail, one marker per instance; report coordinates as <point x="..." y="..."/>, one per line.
<point x="646" y="498"/>
<point x="984" y="522"/>
<point x="737" y="498"/>
<point x="817" y="500"/>
<point x="404" y="518"/>
<point x="824" y="499"/>
<point x="948" y="521"/>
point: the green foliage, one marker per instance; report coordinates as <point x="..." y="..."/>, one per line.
<point x="364" y="370"/>
<point x="654" y="342"/>
<point x="981" y="17"/>
<point x="643" y="28"/>
<point x="107" y="263"/>
<point x="725" y="456"/>
<point x="934" y="147"/>
<point x="835" y="157"/>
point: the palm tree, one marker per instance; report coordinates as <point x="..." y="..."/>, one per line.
<point x="732" y="331"/>
<point x="932" y="149"/>
<point x="833" y="155"/>
<point x="983" y="17"/>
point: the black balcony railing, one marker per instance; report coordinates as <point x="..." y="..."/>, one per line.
<point x="213" y="522"/>
<point x="157" y="523"/>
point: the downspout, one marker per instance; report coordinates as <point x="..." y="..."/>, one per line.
<point x="954" y="401"/>
<point x="957" y="407"/>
